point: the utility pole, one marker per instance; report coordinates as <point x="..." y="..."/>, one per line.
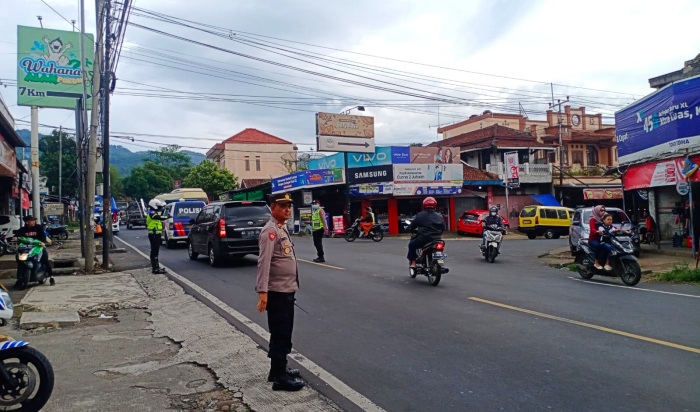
<point x="560" y="121"/>
<point x="79" y="138"/>
<point x="60" y="162"/>
<point x="106" y="192"/>
<point x="36" y="206"/>
<point x="92" y="144"/>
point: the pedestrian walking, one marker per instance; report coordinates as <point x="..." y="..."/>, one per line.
<point x="276" y="283"/>
<point x="319" y="228"/>
<point x="154" y="225"/>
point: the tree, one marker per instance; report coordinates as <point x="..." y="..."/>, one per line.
<point x="177" y="163"/>
<point x="148" y="181"/>
<point x="48" y="159"/>
<point x="211" y="179"/>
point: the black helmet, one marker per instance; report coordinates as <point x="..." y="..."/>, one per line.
<point x="493" y="210"/>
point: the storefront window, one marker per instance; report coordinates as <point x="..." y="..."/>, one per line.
<point x="592" y="154"/>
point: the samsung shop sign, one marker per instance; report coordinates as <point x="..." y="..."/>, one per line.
<point x="371" y="174"/>
<point x="665" y="122"/>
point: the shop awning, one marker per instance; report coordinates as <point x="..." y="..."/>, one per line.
<point x="483" y="183"/>
<point x="546" y="200"/>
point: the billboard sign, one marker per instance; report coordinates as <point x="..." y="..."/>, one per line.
<point x="431" y="155"/>
<point x="425" y="189"/>
<point x="667" y="121"/>
<point x="287" y="182"/>
<point x="381" y="156"/>
<point x="324" y="177"/>
<point x="344" y="144"/>
<point x="372" y="189"/>
<point x="428" y="173"/>
<point x="54" y="209"/>
<point x="602" y="194"/>
<point x="661" y="173"/>
<point x="331" y="124"/>
<point x="512" y="164"/>
<point x="371" y="174"/>
<point x="329" y="162"/>
<point x="49" y="70"/>
<point x="308" y="178"/>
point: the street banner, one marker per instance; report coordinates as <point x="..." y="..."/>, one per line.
<point x="54" y="209"/>
<point x="381" y="156"/>
<point x="325" y="176"/>
<point x="289" y="182"/>
<point x="371" y="174"/>
<point x="308" y="178"/>
<point x="338" y="226"/>
<point x="660" y="173"/>
<point x="602" y="194"/>
<point x="512" y="165"/>
<point x="49" y="70"/>
<point x="666" y="121"/>
<point x="426" y="189"/>
<point x="428" y="173"/>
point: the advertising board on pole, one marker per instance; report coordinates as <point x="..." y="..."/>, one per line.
<point x="49" y="70"/>
<point x="344" y="133"/>
<point x="512" y="165"/>
<point x="667" y="121"/>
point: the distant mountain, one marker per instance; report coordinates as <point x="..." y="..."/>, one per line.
<point x="121" y="157"/>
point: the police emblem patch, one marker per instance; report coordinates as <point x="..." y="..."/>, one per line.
<point x="272" y="235"/>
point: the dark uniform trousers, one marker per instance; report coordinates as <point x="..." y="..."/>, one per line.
<point x="280" y="320"/>
<point x="155" y="249"/>
<point x="318" y="242"/>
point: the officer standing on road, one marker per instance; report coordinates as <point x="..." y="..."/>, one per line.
<point x="319" y="226"/>
<point x="277" y="281"/>
<point x="154" y="224"/>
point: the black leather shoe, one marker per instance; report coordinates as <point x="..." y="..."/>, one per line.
<point x="319" y="260"/>
<point x="287" y="383"/>
<point x="294" y="373"/>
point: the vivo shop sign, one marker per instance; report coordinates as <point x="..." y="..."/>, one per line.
<point x="665" y="122"/>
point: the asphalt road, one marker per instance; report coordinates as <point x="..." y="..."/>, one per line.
<point x="512" y="335"/>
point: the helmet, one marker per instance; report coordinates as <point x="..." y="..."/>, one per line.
<point x="493" y="210"/>
<point x="429" y="203"/>
<point x="156" y="204"/>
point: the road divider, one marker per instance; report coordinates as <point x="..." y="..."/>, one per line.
<point x="589" y="325"/>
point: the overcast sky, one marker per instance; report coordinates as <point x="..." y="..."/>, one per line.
<point x="492" y="55"/>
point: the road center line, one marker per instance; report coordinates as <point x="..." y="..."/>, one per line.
<point x="320" y="264"/>
<point x="588" y="325"/>
<point x="343" y="389"/>
<point x="633" y="288"/>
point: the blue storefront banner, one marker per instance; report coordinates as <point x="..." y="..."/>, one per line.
<point x="380" y="157"/>
<point x="289" y="182"/>
<point x="324" y="177"/>
<point x="400" y="154"/>
<point x="328" y="162"/>
<point x="418" y="189"/>
<point x="371" y="174"/>
<point x="664" y="122"/>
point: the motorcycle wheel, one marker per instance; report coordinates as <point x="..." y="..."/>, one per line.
<point x="631" y="273"/>
<point x="35" y="375"/>
<point x="350" y="236"/>
<point x="377" y="236"/>
<point x="23" y="278"/>
<point x="583" y="264"/>
<point x="434" y="274"/>
<point x="491" y="254"/>
<point x="63" y="236"/>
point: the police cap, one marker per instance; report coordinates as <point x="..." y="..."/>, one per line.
<point x="281" y="198"/>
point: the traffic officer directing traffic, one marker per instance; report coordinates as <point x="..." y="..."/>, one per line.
<point x="277" y="281"/>
<point x="154" y="224"/>
<point x="320" y="228"/>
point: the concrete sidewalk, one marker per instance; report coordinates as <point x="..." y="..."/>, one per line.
<point x="142" y="344"/>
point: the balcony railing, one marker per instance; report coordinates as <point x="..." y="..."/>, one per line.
<point x="529" y="172"/>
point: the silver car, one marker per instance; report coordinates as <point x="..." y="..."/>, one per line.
<point x="580" y="227"/>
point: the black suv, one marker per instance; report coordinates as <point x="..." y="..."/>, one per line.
<point x="227" y="229"/>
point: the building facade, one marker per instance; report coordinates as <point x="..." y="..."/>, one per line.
<point x="14" y="184"/>
<point x="253" y="154"/>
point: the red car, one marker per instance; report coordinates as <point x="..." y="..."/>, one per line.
<point x="470" y="222"/>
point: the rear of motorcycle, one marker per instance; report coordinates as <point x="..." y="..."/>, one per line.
<point x="26" y="376"/>
<point x="431" y="263"/>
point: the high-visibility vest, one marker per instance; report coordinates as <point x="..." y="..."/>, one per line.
<point x="316" y="222"/>
<point x="153" y="224"/>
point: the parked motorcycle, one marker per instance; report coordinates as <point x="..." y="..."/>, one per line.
<point x="353" y="232"/>
<point x="431" y="262"/>
<point x="494" y="237"/>
<point x="6" y="245"/>
<point x="56" y="231"/>
<point x="26" y="376"/>
<point x="624" y="263"/>
<point x="29" y="265"/>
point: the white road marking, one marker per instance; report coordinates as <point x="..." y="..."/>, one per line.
<point x="335" y="383"/>
<point x="633" y="288"/>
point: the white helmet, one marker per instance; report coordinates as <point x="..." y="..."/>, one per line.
<point x="156" y="204"/>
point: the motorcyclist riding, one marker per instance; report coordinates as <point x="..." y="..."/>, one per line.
<point x="428" y="226"/>
<point x="34" y="231"/>
<point x="367" y="222"/>
<point x="492" y="219"/>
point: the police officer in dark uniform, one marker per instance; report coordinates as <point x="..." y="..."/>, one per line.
<point x="277" y="281"/>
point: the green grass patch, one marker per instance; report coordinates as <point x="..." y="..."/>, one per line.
<point x="680" y="273"/>
<point x="573" y="267"/>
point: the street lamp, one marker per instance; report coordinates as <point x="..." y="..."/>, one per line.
<point x="360" y="108"/>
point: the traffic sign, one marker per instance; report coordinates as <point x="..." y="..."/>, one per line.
<point x="345" y="144"/>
